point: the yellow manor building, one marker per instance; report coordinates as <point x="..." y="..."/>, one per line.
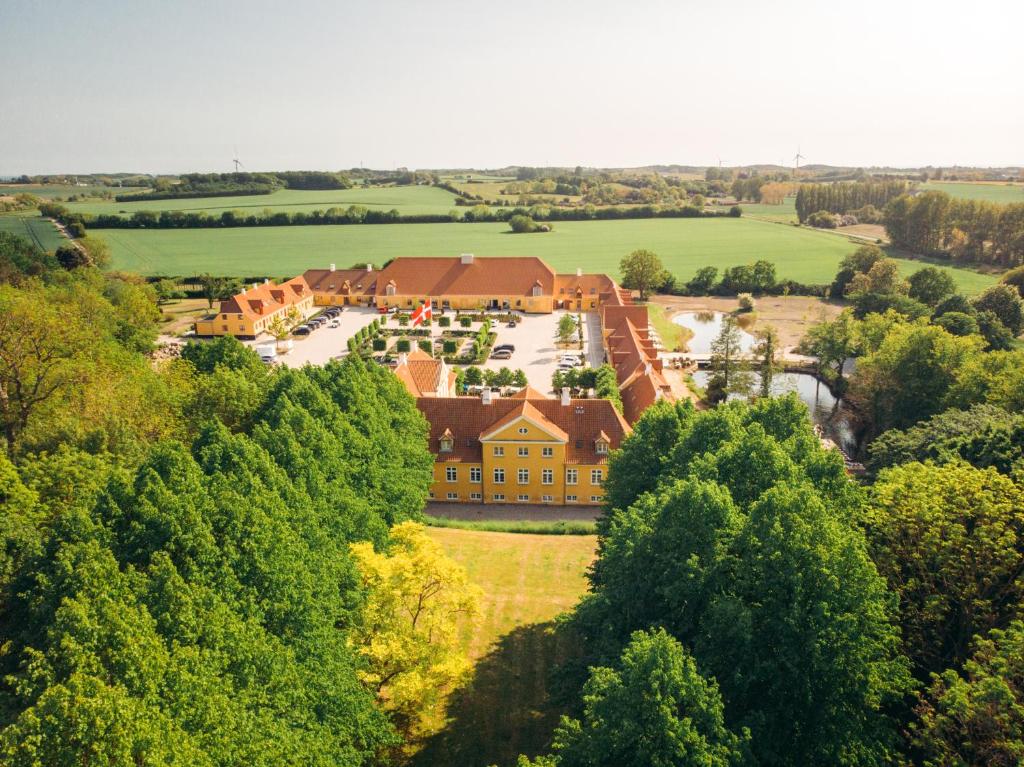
<point x="527" y="448"/>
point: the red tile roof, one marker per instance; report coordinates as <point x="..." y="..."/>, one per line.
<point x="341" y="282"/>
<point x="582" y="421"/>
<point x="265" y="298"/>
<point x="528" y="411"/>
<point x="497" y="276"/>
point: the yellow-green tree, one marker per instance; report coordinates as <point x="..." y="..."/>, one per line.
<point x="408" y="635"/>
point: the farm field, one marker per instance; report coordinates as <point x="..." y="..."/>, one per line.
<point x="50" y="191"/>
<point x="527" y="581"/>
<point x="32" y="227"/>
<point x="991" y="191"/>
<point x="784" y="212"/>
<point x="406" y="199"/>
<point x="684" y="245"/>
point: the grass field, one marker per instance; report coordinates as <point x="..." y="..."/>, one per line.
<point x="991" y="191"/>
<point x="527" y="581"/>
<point x="32" y="227"/>
<point x="406" y="199"/>
<point x="684" y="245"/>
<point x="784" y="212"/>
<point x="49" y="191"/>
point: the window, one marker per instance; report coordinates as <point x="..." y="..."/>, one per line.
<point x="453" y="496"/>
<point x="595" y="476"/>
<point x="498" y="497"/>
<point x="547" y="477"/>
<point x="499" y="451"/>
<point x="475" y="496"/>
<point x="451" y="473"/>
<point x="572" y="476"/>
<point x="523" y="430"/>
<point x="547" y="452"/>
<point x="547" y="498"/>
<point x="522" y="498"/>
<point x="475" y="474"/>
<point x="431" y="493"/>
<point x="593" y="291"/>
<point x="523" y="452"/>
<point x="524" y="476"/>
<point x="570" y="499"/>
<point x="446" y="445"/>
<point x="593" y="304"/>
<point x="499" y="476"/>
<point x="601" y="448"/>
<point x="595" y="498"/>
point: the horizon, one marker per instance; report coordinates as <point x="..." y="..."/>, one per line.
<point x="450" y="86"/>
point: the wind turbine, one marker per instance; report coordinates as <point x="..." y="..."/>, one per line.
<point x="796" y="160"/>
<point x="236" y="161"/>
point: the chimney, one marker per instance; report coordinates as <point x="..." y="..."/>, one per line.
<point x="255" y="285"/>
<point x="403" y="358"/>
<point x="467" y="258"/>
<point x="565" y="396"/>
<point x="485" y="396"/>
<point x="266" y="280"/>
<point x="579" y="271"/>
<point x="647" y="368"/>
<point x="332" y="267"/>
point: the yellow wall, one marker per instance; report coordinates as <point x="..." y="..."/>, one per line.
<point x="462" y="486"/>
<point x="533" y="304"/>
<point x="241" y="325"/>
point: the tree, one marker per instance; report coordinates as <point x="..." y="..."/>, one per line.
<point x="729" y="369"/>
<point x="702" y="282"/>
<point x="519" y="378"/>
<point x="950" y="541"/>
<point x="282" y="325"/>
<point x="407" y="631"/>
<point x="766" y="352"/>
<point x="72" y="257"/>
<point x="652" y="708"/>
<point x="833" y="343"/>
<point x="1003" y="301"/>
<point x="959" y="324"/>
<point x="882" y="278"/>
<point x="977" y="716"/>
<point x="642" y="270"/>
<point x="211" y="287"/>
<point x="931" y="285"/>
<point x="566" y="328"/>
<point x="473" y="376"/>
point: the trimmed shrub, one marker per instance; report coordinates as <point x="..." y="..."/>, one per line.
<point x="403" y="345"/>
<point x="465" y="321"/>
<point x="450" y="347"/>
<point x="444" y="322"/>
<point x="427" y="346"/>
<point x="380" y="344"/>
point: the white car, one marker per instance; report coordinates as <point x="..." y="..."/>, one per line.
<point x="571" y="360"/>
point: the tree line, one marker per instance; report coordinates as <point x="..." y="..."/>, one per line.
<point x="933" y="223"/>
<point x="846" y="196"/>
<point x="191" y="185"/>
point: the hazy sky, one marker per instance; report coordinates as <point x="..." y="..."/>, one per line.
<point x="139" y="85"/>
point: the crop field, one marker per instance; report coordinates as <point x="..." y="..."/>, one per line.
<point x="784" y="212"/>
<point x="406" y="199"/>
<point x="32" y="227"/>
<point x="991" y="191"/>
<point x="527" y="580"/>
<point x="50" y="191"/>
<point x="684" y="246"/>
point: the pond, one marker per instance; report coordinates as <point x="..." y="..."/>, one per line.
<point x="706" y="326"/>
<point x="826" y="411"/>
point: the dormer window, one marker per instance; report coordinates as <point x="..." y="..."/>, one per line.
<point x="601" y="447"/>
<point x="447" y="441"/>
<point x="389" y="290"/>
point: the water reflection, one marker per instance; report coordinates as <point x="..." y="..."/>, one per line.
<point x="707" y="325"/>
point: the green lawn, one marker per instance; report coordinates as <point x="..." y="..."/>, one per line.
<point x="993" y="192"/>
<point x="32" y="227"/>
<point x="596" y="246"/>
<point x="785" y="212"/>
<point x="406" y="199"/>
<point x="506" y="709"/>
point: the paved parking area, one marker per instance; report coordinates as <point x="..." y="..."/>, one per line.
<point x="326" y="342"/>
<point x="534" y="338"/>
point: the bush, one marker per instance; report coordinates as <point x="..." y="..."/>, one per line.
<point x="450" y="347"/>
<point x="746" y="302"/>
<point x="403" y="320"/>
<point x="403" y="345"/>
<point x="822" y="220"/>
<point x="735" y="211"/>
<point x="427" y="346"/>
<point x="444" y="322"/>
<point x="380" y="344"/>
<point x="465" y="321"/>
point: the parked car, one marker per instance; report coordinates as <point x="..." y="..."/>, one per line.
<point x="302" y="330"/>
<point x="511" y="324"/>
<point x="502" y="354"/>
<point x="505" y="348"/>
<point x="335" y="324"/>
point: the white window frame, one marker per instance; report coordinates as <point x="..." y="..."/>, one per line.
<point x="476" y="475"/>
<point x="523" y="430"/>
<point x="499" y="476"/>
<point x="572" y="476"/>
<point x="596" y="477"/>
<point x="547" y="498"/>
<point x="499" y="451"/>
<point x="499" y="497"/>
<point x="523" y="498"/>
<point x="601" y="448"/>
<point x="547" y="476"/>
<point x="570" y="499"/>
<point x="547" y="452"/>
<point x="453" y="496"/>
<point x="451" y="473"/>
<point x="523" y="476"/>
<point x="476" y="496"/>
<point x="595" y="499"/>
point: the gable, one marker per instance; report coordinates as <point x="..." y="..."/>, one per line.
<point x="536" y="431"/>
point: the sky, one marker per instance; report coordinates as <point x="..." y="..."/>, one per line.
<point x="170" y="87"/>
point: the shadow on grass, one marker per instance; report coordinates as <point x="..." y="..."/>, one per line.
<point x="507" y="708"/>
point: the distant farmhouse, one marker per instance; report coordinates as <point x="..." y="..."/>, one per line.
<point x="527" y="448"/>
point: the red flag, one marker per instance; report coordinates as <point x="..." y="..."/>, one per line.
<point x="423" y="312"/>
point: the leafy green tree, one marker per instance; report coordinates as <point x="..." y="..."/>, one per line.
<point x="703" y="281"/>
<point x="72" y="257"/>
<point x="997" y="336"/>
<point x="642" y="270"/>
<point x="958" y="324"/>
<point x="995" y="378"/>
<point x="950" y="541"/>
<point x="566" y="328"/>
<point x="767" y="358"/>
<point x="882" y="278"/>
<point x="728" y="365"/>
<point x="1004" y="301"/>
<point x="652" y="708"/>
<point x="474" y="376"/>
<point x="931" y="285"/>
<point x="977" y="716"/>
